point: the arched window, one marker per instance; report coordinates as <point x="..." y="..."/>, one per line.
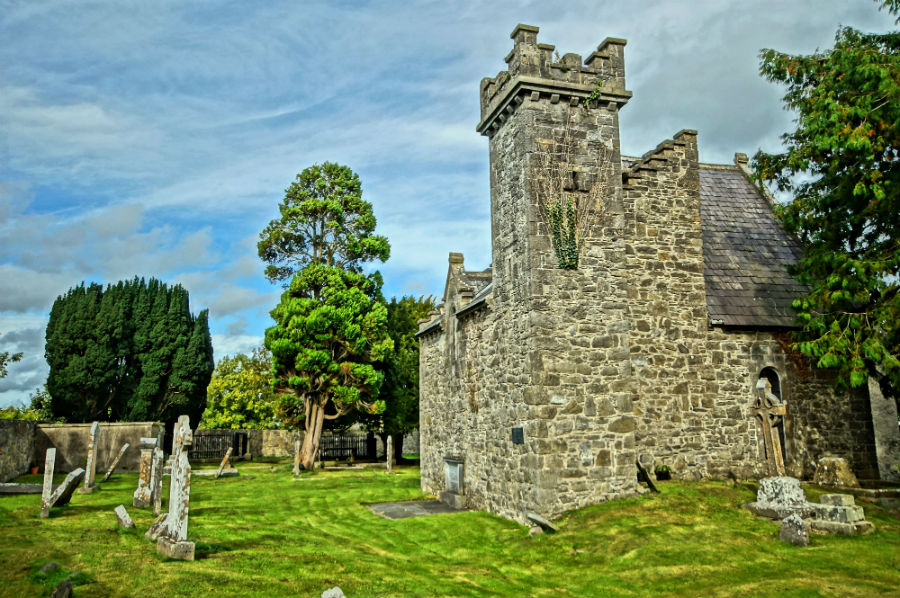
<point x="769" y="410"/>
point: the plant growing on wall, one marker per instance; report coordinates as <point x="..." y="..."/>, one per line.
<point x="563" y="221"/>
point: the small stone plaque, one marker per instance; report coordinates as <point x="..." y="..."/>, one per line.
<point x="518" y="435"/>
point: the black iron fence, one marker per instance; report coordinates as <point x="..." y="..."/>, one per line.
<point x="212" y="444"/>
<point x="342" y="447"/>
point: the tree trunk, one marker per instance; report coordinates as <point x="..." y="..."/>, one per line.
<point x="398" y="448"/>
<point x="310" y="447"/>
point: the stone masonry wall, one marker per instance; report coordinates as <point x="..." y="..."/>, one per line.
<point x="71" y="442"/>
<point x="16" y="447"/>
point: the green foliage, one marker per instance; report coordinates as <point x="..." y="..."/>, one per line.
<point x="563" y="220"/>
<point x="323" y="220"/>
<point x="400" y="390"/>
<point x="240" y="394"/>
<point x="6" y="359"/>
<point x="329" y="331"/>
<point x="130" y="352"/>
<point x="841" y="166"/>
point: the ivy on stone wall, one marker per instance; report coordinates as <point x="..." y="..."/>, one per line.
<point x="563" y="220"/>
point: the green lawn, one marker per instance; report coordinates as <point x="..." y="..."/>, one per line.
<point x="263" y="534"/>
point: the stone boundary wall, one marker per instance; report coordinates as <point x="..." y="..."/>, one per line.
<point x="71" y="441"/>
<point x="272" y="443"/>
<point x="16" y="447"/>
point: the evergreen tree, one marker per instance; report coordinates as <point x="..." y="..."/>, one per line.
<point x="842" y="167"/>
<point x="130" y="352"/>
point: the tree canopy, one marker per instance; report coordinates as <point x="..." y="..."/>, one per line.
<point x="130" y="352"/>
<point x="324" y="220"/>
<point x="5" y="359"/>
<point x="329" y="331"/>
<point x="240" y="394"/>
<point x="841" y="167"/>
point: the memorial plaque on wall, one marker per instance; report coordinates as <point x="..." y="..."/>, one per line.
<point x="518" y="435"/>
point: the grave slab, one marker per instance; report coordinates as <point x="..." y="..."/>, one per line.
<point x="411" y="508"/>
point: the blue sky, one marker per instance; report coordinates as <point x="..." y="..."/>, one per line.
<point x="156" y="138"/>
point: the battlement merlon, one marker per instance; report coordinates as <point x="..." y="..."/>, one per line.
<point x="533" y="73"/>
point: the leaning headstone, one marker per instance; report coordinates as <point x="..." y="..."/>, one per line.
<point x="123" y="517"/>
<point x="11" y="488"/>
<point x="90" y="482"/>
<point x="296" y="458"/>
<point x="174" y="543"/>
<point x="334" y="592"/>
<point x="63" y="493"/>
<point x="794" y="530"/>
<point x="778" y="497"/>
<point x="835" y="472"/>
<point x="157" y="528"/>
<point x="224" y="462"/>
<point x="543" y="523"/>
<point x="47" y="491"/>
<point x="115" y="462"/>
<point x="142" y="496"/>
<point x="156" y="474"/>
<point x="63" y="589"/>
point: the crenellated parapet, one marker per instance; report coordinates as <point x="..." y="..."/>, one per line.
<point x="534" y="74"/>
<point x="665" y="156"/>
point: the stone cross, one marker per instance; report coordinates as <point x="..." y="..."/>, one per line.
<point x="769" y="412"/>
<point x="156" y="475"/>
<point x="90" y="474"/>
<point x="296" y="458"/>
<point x="174" y="543"/>
<point x="49" y="465"/>
<point x="224" y="462"/>
<point x="142" y="496"/>
<point x="115" y="462"/>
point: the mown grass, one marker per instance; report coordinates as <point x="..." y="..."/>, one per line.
<point x="263" y="534"/>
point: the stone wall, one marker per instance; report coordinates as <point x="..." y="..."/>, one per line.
<point x="16" y="447"/>
<point x="71" y="442"/>
<point x="272" y="443"/>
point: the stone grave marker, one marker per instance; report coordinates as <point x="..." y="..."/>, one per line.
<point x="839" y="514"/>
<point x="173" y="543"/>
<point x="224" y="462"/>
<point x="142" y="497"/>
<point x="389" y="452"/>
<point x="47" y="492"/>
<point x="123" y="517"/>
<point x="834" y="471"/>
<point x="794" y="530"/>
<point x="90" y="482"/>
<point x="156" y="475"/>
<point x="157" y="528"/>
<point x="63" y="493"/>
<point x="296" y="458"/>
<point x="769" y="412"/>
<point x="778" y="497"/>
<point x="115" y="462"/>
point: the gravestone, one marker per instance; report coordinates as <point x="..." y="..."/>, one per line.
<point x="296" y="458"/>
<point x="839" y="514"/>
<point x="769" y="412"/>
<point x="90" y="482"/>
<point x="157" y="528"/>
<point x="453" y="483"/>
<point x="123" y="517"/>
<point x="834" y="471"/>
<point x="224" y="462"/>
<point x="794" y="530"/>
<point x="156" y="475"/>
<point x="389" y="452"/>
<point x="173" y="543"/>
<point x="115" y="462"/>
<point x="47" y="491"/>
<point x="142" y="496"/>
<point x="778" y="497"/>
<point x="63" y="493"/>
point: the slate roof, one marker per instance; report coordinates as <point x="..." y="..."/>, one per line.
<point x="745" y="253"/>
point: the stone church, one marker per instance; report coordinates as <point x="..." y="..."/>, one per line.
<point x="543" y="386"/>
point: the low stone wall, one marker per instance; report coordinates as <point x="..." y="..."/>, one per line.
<point x="16" y="447"/>
<point x="71" y="442"/>
<point x="273" y="443"/>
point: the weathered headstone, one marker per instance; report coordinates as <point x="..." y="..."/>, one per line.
<point x="63" y="589"/>
<point x="142" y="496"/>
<point x="543" y="523"/>
<point x="47" y="492"/>
<point x="63" y="493"/>
<point x="389" y="452"/>
<point x="794" y="530"/>
<point x="778" y="497"/>
<point x="835" y="472"/>
<point x="157" y="528"/>
<point x="224" y="462"/>
<point x="12" y="488"/>
<point x="334" y="592"/>
<point x="769" y="412"/>
<point x="156" y="475"/>
<point x="296" y="458"/>
<point x="90" y="482"/>
<point x="174" y="543"/>
<point x="115" y="462"/>
<point x="123" y="517"/>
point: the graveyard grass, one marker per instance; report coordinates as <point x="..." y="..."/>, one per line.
<point x="262" y="534"/>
